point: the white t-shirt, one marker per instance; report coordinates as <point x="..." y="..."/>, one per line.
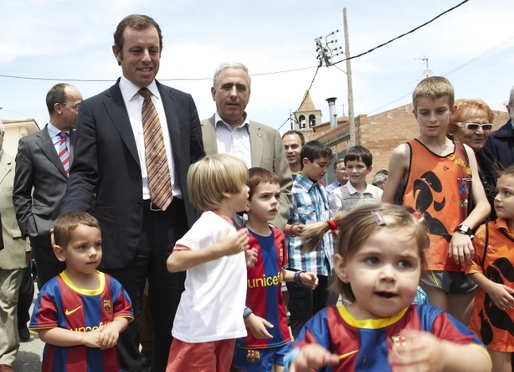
<point x="211" y="307"/>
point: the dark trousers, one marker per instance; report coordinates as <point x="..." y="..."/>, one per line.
<point x="159" y="233"/>
<point x="48" y="265"/>
<point x="304" y="302"/>
<point x="25" y="297"/>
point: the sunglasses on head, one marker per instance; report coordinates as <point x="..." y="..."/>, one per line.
<point x="475" y="126"/>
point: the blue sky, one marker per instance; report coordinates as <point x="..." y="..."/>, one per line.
<point x="62" y="40"/>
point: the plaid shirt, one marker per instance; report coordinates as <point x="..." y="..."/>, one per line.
<point x="310" y="204"/>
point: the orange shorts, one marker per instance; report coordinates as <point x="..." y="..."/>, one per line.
<point x="203" y="356"/>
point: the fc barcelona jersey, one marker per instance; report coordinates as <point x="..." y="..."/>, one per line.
<point x="264" y="289"/>
<point x="61" y="304"/>
<point x="363" y="345"/>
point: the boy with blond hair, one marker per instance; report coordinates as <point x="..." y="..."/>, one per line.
<point x="80" y="313"/>
<point x="441" y="181"/>
<point x="264" y="348"/>
<point x="210" y="313"/>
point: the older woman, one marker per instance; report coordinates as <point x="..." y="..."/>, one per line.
<point x="471" y="124"/>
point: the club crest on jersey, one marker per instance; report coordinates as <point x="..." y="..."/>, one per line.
<point x="253" y="356"/>
<point x="281" y="251"/>
<point x="107" y="305"/>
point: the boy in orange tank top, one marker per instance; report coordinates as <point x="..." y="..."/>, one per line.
<point x="441" y="181"/>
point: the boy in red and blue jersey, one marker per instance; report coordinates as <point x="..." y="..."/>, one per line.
<point x="269" y="338"/>
<point x="80" y="313"/>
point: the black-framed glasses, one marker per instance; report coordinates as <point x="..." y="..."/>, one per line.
<point x="475" y="126"/>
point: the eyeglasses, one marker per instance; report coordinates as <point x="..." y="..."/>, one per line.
<point x="475" y="126"/>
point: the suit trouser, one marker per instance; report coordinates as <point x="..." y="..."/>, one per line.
<point x="25" y="297"/>
<point x="48" y="265"/>
<point x="304" y="302"/>
<point x="9" y="287"/>
<point x="160" y="231"/>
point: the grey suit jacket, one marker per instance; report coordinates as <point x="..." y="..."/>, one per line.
<point x="267" y="152"/>
<point x="15" y="245"/>
<point x="39" y="185"/>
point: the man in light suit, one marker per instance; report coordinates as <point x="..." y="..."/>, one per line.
<point x="12" y="262"/>
<point x="109" y="177"/>
<point x="230" y="131"/>
<point x="40" y="178"/>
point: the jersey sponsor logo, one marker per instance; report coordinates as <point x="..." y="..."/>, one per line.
<point x="89" y="328"/>
<point x="107" y="305"/>
<point x="69" y="312"/>
<point x="253" y="356"/>
<point x="265" y="281"/>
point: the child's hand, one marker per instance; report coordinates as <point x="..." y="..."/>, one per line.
<point x="502" y="296"/>
<point x="312" y="356"/>
<point x="309" y="279"/>
<point x="251" y="256"/>
<point x="258" y="326"/>
<point x="91" y="338"/>
<point x="461" y="249"/>
<point x="298" y="229"/>
<point x="108" y="337"/>
<point x="233" y="244"/>
<point x="417" y="351"/>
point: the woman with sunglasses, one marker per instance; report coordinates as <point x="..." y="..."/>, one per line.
<point x="471" y="124"/>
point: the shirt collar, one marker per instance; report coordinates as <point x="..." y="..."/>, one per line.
<point x="352" y="190"/>
<point x="501" y="224"/>
<point x="53" y="131"/>
<point x="304" y="182"/>
<point x="218" y="119"/>
<point x="130" y="90"/>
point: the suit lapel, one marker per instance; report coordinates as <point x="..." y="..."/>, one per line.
<point x="47" y="147"/>
<point x="255" y="143"/>
<point x="5" y="166"/>
<point x="210" y="144"/>
<point x="170" y="109"/>
<point x="118" y="113"/>
<point x="72" y="145"/>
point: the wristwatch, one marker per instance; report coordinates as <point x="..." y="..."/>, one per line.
<point x="463" y="229"/>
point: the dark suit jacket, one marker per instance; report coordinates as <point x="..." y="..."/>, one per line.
<point x="267" y="152"/>
<point x="107" y="167"/>
<point x="39" y="185"/>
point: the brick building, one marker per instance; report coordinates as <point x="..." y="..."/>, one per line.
<point x="380" y="133"/>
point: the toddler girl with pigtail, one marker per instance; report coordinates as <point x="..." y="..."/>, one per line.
<point x="378" y="262"/>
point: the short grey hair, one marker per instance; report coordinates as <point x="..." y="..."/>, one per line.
<point x="379" y="178"/>
<point x="2" y="129"/>
<point x="511" y="98"/>
<point x="231" y="64"/>
<point x="336" y="163"/>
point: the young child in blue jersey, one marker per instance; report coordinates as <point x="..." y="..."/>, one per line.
<point x="80" y="313"/>
<point x="264" y="348"/>
<point x="380" y="255"/>
<point x="210" y="313"/>
<point x="310" y="204"/>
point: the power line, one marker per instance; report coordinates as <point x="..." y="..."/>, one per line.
<point x="451" y="72"/>
<point x="402" y="35"/>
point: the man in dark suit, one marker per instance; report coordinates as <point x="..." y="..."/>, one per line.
<point x="110" y="177"/>
<point x="40" y="177"/>
<point x="230" y="131"/>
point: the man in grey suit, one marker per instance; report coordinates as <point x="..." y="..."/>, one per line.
<point x="40" y="177"/>
<point x="230" y="131"/>
<point x="12" y="262"/>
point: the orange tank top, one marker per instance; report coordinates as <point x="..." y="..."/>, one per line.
<point x="439" y="186"/>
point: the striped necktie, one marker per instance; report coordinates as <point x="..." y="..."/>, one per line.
<point x="64" y="154"/>
<point x="159" y="179"/>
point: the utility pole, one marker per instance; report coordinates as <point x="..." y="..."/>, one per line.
<point x="351" y="118"/>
